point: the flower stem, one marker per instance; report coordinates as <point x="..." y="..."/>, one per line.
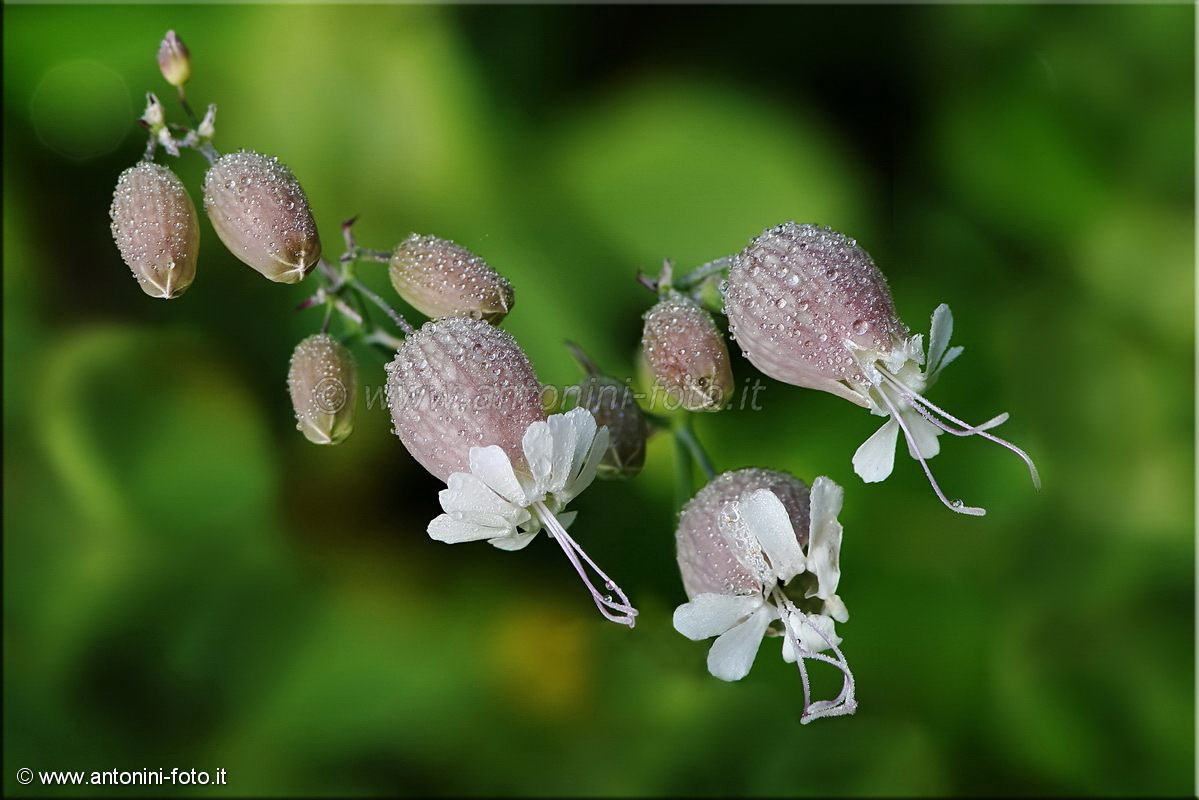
<point x="683" y="467"/>
<point x="701" y="273"/>
<point x="685" y="433"/>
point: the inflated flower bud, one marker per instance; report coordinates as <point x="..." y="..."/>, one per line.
<point x="810" y="308"/>
<point x="797" y="294"/>
<point x="261" y="214"/>
<point x="687" y="353"/>
<point x="613" y="405"/>
<point x="459" y="383"/>
<point x="706" y="562"/>
<point x="155" y="227"/>
<point x="323" y="383"/>
<point x="440" y="278"/>
<point x="760" y="555"/>
<point x="174" y="61"/>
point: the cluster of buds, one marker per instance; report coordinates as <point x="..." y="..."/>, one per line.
<point x="808" y="307"/>
<point x="758" y="550"/>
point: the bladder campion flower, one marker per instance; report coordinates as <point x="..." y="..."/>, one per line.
<point x="614" y="407"/>
<point x="261" y="213"/>
<point x="810" y="308"/>
<point x="154" y="225"/>
<point x="687" y="353"/>
<point x="748" y="544"/>
<point x="440" y="278"/>
<point x="323" y="383"/>
<point x="174" y="60"/>
<point x="467" y="404"/>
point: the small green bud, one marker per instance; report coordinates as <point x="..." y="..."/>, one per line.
<point x="261" y="213"/>
<point x="155" y="227"/>
<point x="442" y="279"/>
<point x="323" y="383"/>
<point x="154" y="117"/>
<point x="174" y="60"/>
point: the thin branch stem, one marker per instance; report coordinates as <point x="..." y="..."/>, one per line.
<point x="701" y="273"/>
<point x="395" y="316"/>
<point x="685" y="433"/>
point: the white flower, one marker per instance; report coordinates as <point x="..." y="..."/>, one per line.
<point x="509" y="507"/>
<point x="759" y="533"/>
<point x="895" y="383"/>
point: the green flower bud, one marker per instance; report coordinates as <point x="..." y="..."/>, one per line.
<point x="442" y="279"/>
<point x="323" y="383"/>
<point x="261" y="214"/>
<point x="155" y="227"/>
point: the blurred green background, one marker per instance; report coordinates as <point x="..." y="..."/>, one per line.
<point x="189" y="583"/>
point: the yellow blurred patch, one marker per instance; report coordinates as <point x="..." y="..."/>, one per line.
<point x="540" y="660"/>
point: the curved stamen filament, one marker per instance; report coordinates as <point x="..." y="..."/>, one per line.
<point x="956" y="505"/>
<point x="625" y="613"/>
<point x="844" y="702"/>
<point x="926" y="409"/>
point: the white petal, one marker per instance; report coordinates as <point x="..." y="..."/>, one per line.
<point x="491" y="465"/>
<point x="742" y="542"/>
<point x="564" y="435"/>
<point x="585" y="427"/>
<point x="467" y="495"/>
<point x="875" y="459"/>
<point x="949" y="358"/>
<point x="805" y="627"/>
<point x="924" y="434"/>
<point x="538" y="444"/>
<point x="733" y="653"/>
<point x="767" y="519"/>
<point x="713" y="614"/>
<point x="836" y="609"/>
<point x="938" y="336"/>
<point x="566" y="517"/>
<point x="452" y="531"/>
<point x="515" y="541"/>
<point x="599" y="446"/>
<point x="824" y="535"/>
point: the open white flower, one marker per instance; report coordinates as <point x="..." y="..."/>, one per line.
<point x="894" y="389"/>
<point x="509" y="507"/>
<point x="759" y="533"/>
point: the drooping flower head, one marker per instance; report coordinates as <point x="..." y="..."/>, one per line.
<point x="810" y="308"/>
<point x="154" y="225"/>
<point x="760" y="555"/>
<point x="687" y="353"/>
<point x="260" y="212"/>
<point x="440" y="278"/>
<point x="466" y="403"/>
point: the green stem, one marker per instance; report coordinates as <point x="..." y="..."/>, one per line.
<point x="685" y="434"/>
<point x="701" y="273"/>
<point x="683" y="468"/>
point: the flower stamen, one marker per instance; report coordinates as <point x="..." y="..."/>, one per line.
<point x="844" y="703"/>
<point x="955" y="505"/>
<point x="926" y="409"/>
<point x="626" y="614"/>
